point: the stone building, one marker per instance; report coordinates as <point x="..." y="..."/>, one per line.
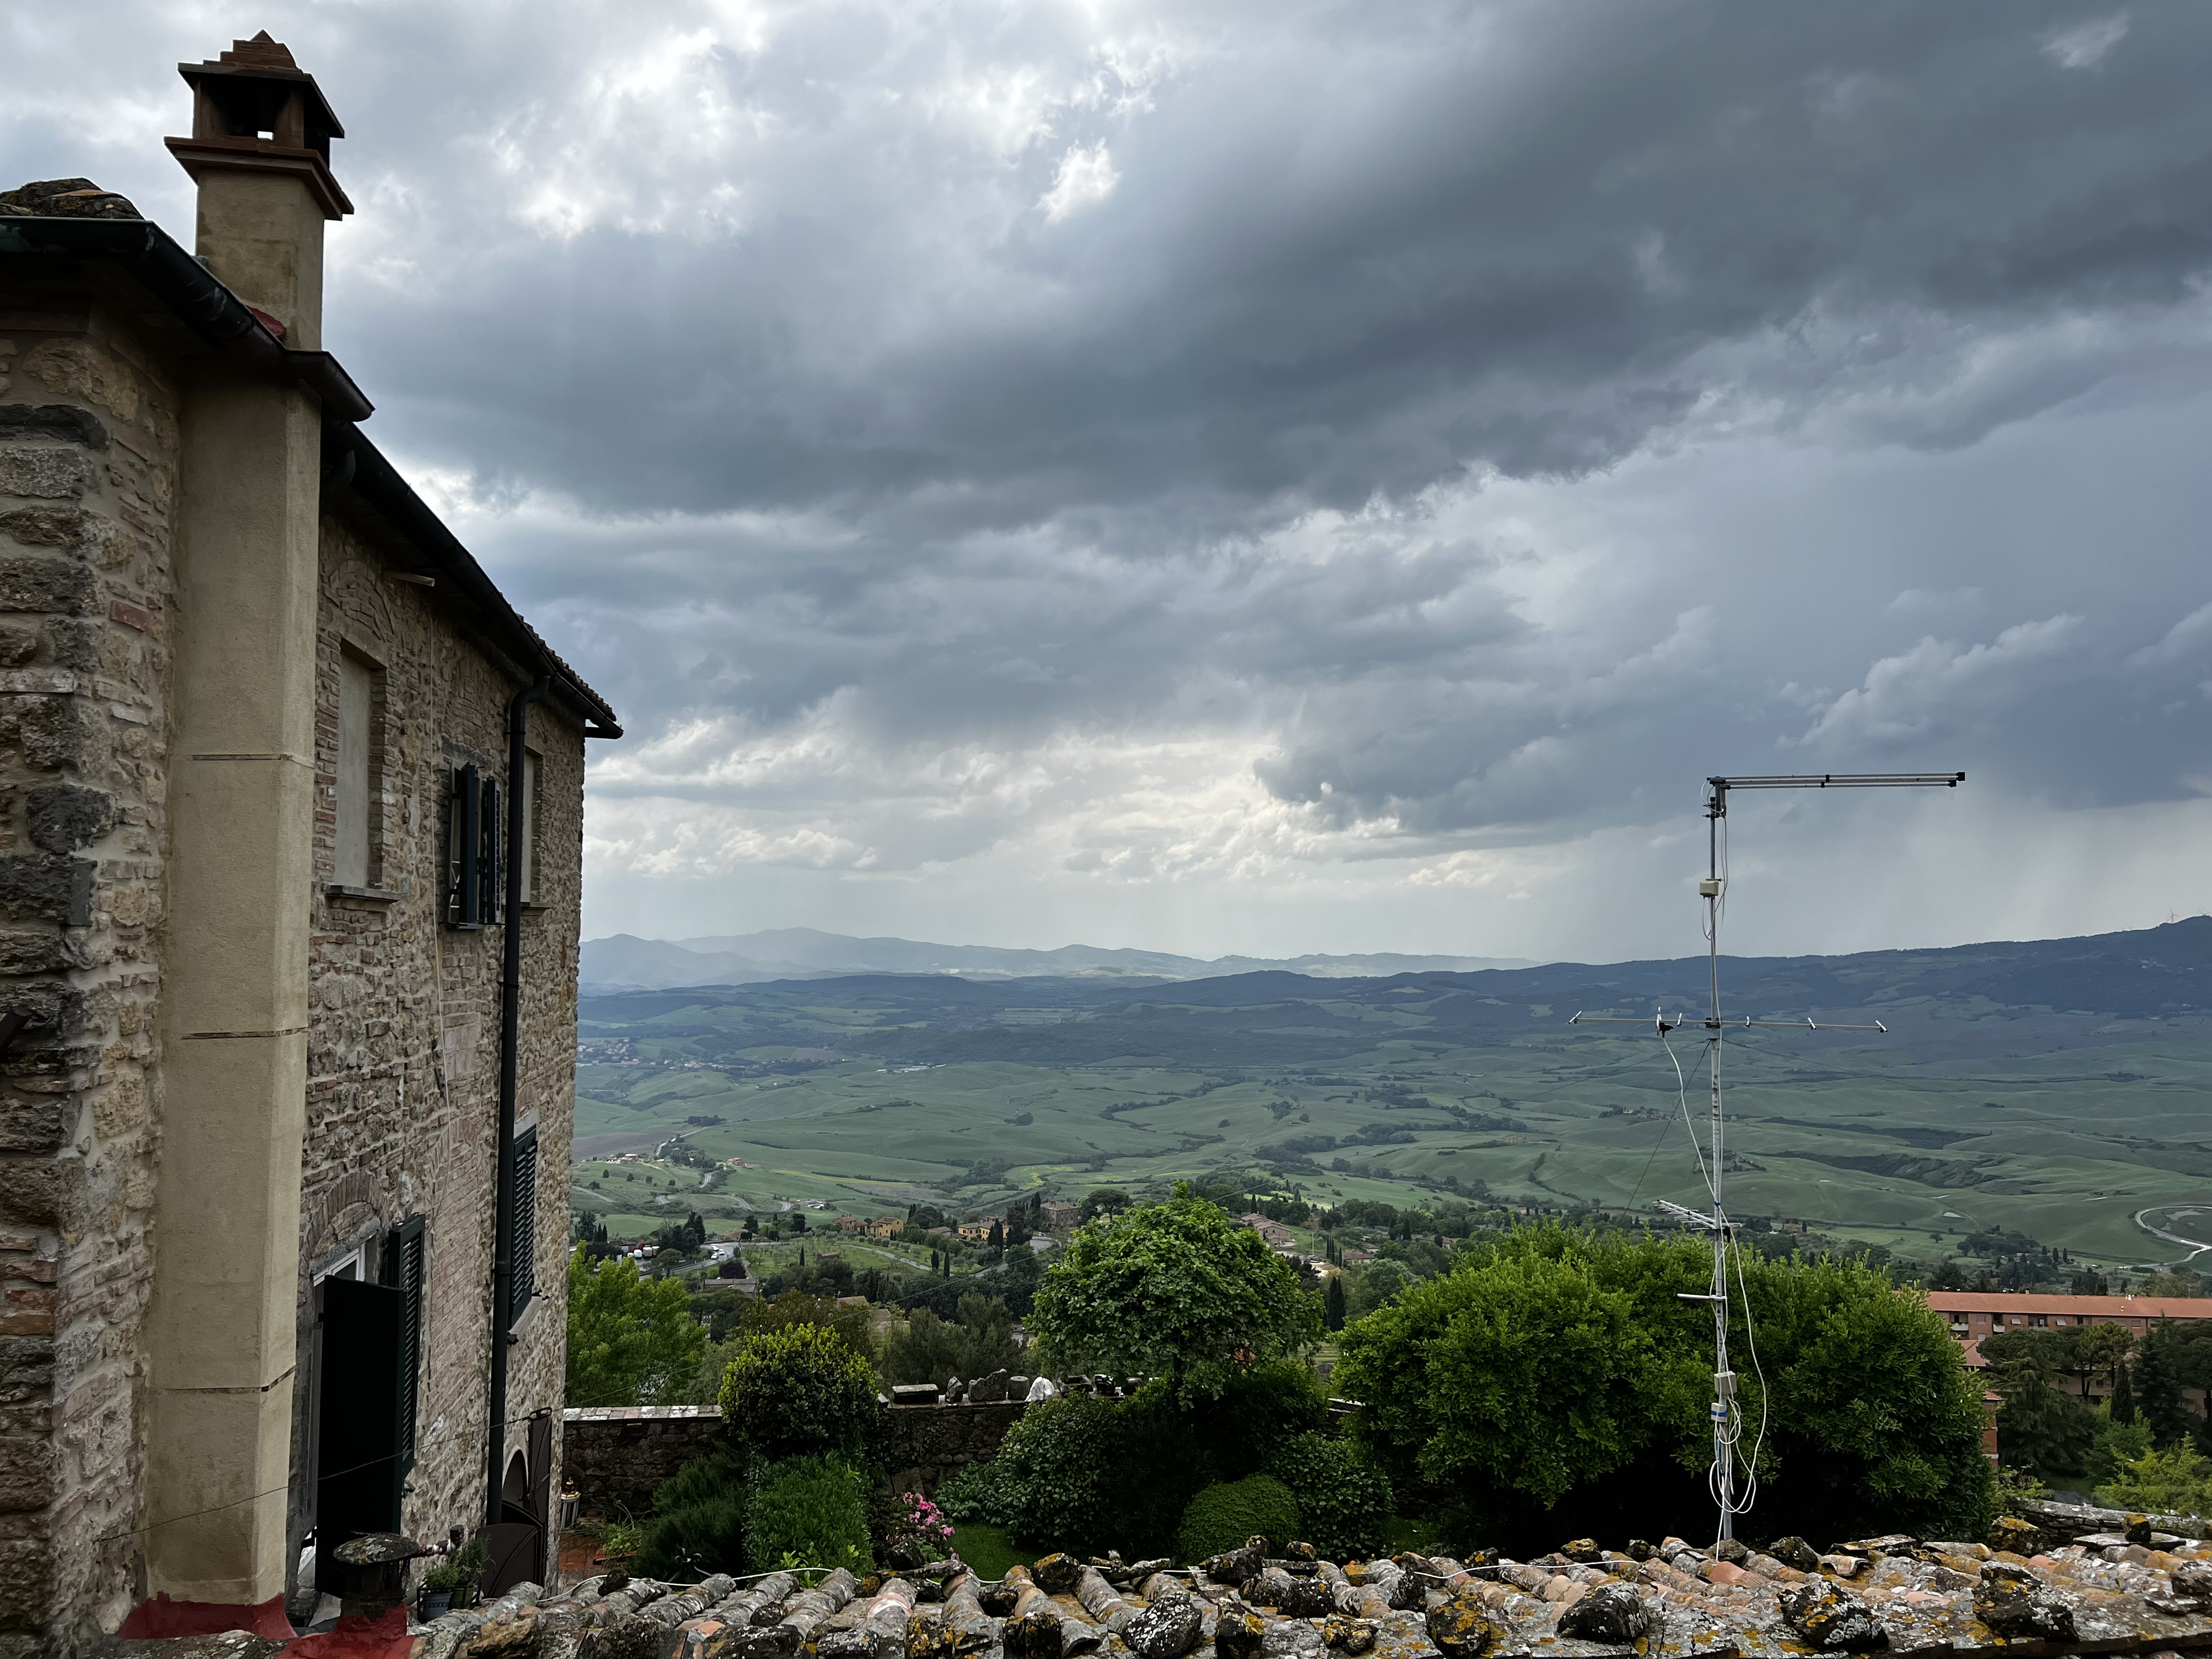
<point x="292" y="795"/>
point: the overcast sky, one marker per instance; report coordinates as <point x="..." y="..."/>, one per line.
<point x="1271" y="477"/>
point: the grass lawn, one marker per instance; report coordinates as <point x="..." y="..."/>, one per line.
<point x="988" y="1550"/>
<point x="1411" y="1532"/>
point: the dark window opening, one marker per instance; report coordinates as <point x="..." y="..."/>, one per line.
<point x="358" y="1469"/>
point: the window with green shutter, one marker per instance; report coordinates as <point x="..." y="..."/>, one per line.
<point x="524" y="1212"/>
<point x="404" y="1262"/>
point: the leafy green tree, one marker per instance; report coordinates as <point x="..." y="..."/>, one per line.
<point x="1472" y="1370"/>
<point x="2178" y="1481"/>
<point x="1551" y="1361"/>
<point x="798" y="1391"/>
<point x="632" y="1340"/>
<point x="2123" y="1394"/>
<point x="1102" y="1200"/>
<point x="2119" y="1442"/>
<point x="1332" y="1303"/>
<point x="1176" y="1289"/>
<point x="934" y="1349"/>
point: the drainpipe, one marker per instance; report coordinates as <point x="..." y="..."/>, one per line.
<point x="510" y="1035"/>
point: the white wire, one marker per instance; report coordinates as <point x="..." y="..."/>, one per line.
<point x="1751" y="1336"/>
<point x="1682" y="1095"/>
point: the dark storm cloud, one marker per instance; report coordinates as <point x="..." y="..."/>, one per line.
<point x="1351" y="255"/>
<point x="1462" y="423"/>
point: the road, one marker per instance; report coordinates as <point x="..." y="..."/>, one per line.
<point x="2196" y="1248"/>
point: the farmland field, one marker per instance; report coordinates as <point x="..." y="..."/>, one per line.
<point x="2053" y="1089"/>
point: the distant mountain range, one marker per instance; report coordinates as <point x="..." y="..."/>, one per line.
<point x="625" y="962"/>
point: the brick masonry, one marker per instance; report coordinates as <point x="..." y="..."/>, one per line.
<point x="617" y="1454"/>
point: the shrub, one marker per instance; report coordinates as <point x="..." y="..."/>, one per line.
<point x="1258" y="1411"/>
<point x="698" y="1524"/>
<point x="798" y="1390"/>
<point x="1227" y="1513"/>
<point x="974" y="1494"/>
<point x="1345" y="1501"/>
<point x="2176" y="1482"/>
<point x="1059" y="1475"/>
<point x="808" y="1511"/>
<point x="1551" y="1378"/>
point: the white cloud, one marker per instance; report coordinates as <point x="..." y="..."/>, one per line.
<point x="1939" y="690"/>
<point x="2084" y="46"/>
<point x="1086" y="177"/>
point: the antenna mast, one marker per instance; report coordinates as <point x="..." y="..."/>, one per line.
<point x="1713" y="891"/>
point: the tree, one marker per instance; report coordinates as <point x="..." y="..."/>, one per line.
<point x="997" y="1241"/>
<point x="1550" y="1362"/>
<point x="1175" y="1288"/>
<point x="632" y="1341"/>
<point x="934" y="1349"/>
<point x="2158" y="1382"/>
<point x="2123" y="1394"/>
<point x="1102" y="1200"/>
<point x="2172" y="1482"/>
<point x="2040" y="1427"/>
<point x="798" y="1391"/>
<point x="1332" y="1303"/>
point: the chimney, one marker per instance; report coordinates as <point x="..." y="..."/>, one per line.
<point x="260" y="153"/>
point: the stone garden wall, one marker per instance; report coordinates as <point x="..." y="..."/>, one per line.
<point x="617" y="1454"/>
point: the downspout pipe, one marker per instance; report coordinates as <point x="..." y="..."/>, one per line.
<point x="510" y="1042"/>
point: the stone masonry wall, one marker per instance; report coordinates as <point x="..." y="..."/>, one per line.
<point x="924" y="1445"/>
<point x="88" y="450"/>
<point x="404" y="1045"/>
<point x="617" y="1454"/>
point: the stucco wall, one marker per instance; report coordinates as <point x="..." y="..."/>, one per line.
<point x="85" y="580"/>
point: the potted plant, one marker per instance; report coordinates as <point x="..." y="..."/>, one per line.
<point x="469" y="1561"/>
<point x="435" y="1598"/>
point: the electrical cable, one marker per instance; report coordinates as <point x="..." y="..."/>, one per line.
<point x="1751" y="1339"/>
<point x="1682" y="1094"/>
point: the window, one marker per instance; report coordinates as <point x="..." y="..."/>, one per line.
<point x="404" y="1263"/>
<point x="526" y="802"/>
<point x="524" y="1250"/>
<point x="464" y="848"/>
<point x="357" y="700"/>
<point x="475" y="833"/>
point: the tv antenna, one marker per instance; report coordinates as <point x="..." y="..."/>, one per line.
<point x="1728" y="1426"/>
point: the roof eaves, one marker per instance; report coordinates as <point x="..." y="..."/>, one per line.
<point x="352" y="461"/>
<point x="192" y="294"/>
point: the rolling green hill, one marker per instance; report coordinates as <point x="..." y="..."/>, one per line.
<point x="2054" y="1088"/>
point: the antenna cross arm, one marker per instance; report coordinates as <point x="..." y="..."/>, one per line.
<point x="1665" y="1024"/>
<point x="1844" y="780"/>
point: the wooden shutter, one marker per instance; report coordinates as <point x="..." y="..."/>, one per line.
<point x="524" y="1212"/>
<point x="405" y="1263"/>
<point x="494" y="907"/>
<point x="357" y="1454"/>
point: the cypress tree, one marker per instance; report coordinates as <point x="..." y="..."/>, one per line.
<point x="1332" y="1303"/>
<point x="2157" y="1391"/>
<point x="2123" y="1393"/>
